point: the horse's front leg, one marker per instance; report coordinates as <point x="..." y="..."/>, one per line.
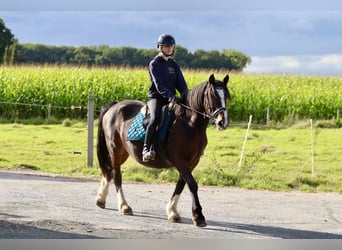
<point x="197" y="216"/>
<point x="171" y="207"/>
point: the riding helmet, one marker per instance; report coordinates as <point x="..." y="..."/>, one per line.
<point x="166" y="39"/>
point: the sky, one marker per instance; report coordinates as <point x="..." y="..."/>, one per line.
<point x="295" y="37"/>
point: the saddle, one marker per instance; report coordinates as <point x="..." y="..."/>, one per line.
<point x="137" y="130"/>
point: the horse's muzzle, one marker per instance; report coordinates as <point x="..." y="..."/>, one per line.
<point x="221" y="121"/>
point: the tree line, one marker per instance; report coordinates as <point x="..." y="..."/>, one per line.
<point x="12" y="52"/>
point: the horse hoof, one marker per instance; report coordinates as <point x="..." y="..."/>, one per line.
<point x="175" y="219"/>
<point x="199" y="223"/>
<point x="101" y="204"/>
<point x="126" y="210"/>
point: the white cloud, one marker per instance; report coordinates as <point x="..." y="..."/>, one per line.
<point x="329" y="61"/>
<point x="314" y="65"/>
<point x="273" y="64"/>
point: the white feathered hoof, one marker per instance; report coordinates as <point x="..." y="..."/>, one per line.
<point x="174" y="218"/>
<point x="126" y="210"/>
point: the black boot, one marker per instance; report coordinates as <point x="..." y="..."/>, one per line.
<point x="148" y="152"/>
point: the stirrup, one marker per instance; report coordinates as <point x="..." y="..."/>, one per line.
<point x="148" y="155"/>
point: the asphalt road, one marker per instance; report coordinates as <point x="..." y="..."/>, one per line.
<point x="38" y="206"/>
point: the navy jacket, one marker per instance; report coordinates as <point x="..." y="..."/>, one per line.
<point x="166" y="78"/>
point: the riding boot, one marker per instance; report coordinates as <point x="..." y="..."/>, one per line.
<point x="148" y="151"/>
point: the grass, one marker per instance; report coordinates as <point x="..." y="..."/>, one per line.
<point x="274" y="159"/>
<point x="58" y="149"/>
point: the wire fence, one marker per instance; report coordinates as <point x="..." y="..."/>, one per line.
<point x="92" y="113"/>
<point x="45" y="111"/>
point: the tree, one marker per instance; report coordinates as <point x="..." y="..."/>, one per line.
<point x="6" y="39"/>
<point x="104" y="55"/>
<point x="208" y="60"/>
<point x="10" y="53"/>
<point x="238" y="59"/>
<point x="183" y="56"/>
<point x="85" y="55"/>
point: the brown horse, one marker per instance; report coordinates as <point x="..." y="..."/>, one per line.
<point x="182" y="147"/>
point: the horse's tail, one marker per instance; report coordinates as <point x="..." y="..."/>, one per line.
<point x="101" y="147"/>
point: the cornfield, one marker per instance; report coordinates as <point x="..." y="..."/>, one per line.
<point x="28" y="91"/>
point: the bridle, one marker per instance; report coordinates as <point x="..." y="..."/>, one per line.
<point x="213" y="114"/>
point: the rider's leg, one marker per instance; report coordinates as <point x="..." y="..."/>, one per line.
<point x="148" y="151"/>
<point x="154" y="106"/>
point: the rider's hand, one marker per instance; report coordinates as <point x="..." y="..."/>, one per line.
<point x="175" y="99"/>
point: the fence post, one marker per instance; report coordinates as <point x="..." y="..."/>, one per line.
<point x="338" y="114"/>
<point x="312" y="151"/>
<point x="90" y="130"/>
<point x="268" y="116"/>
<point x="245" y="141"/>
<point x="49" y="113"/>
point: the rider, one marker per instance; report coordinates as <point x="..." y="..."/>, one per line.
<point x="166" y="77"/>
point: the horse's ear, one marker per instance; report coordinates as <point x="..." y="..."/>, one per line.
<point x="212" y="79"/>
<point x="226" y="79"/>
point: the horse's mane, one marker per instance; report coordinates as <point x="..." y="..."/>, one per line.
<point x="194" y="97"/>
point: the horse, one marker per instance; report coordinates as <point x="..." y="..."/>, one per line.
<point x="182" y="147"/>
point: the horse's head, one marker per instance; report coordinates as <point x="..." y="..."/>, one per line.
<point x="216" y="96"/>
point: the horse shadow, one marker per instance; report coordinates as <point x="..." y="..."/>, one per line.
<point x="269" y="231"/>
<point x="141" y="214"/>
<point x="250" y="229"/>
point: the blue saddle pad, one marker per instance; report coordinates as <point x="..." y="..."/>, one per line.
<point x="137" y="131"/>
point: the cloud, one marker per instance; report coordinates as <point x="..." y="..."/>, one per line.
<point x="328" y="63"/>
<point x="306" y="65"/>
<point x="277" y="41"/>
<point x="176" y="5"/>
<point x="256" y="33"/>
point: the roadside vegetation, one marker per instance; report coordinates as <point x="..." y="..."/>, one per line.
<point x="43" y="110"/>
<point x="27" y="91"/>
<point x="274" y="159"/>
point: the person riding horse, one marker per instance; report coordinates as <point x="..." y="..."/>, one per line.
<point x="166" y="77"/>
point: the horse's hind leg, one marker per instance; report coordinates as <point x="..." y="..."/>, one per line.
<point x="171" y="207"/>
<point x="102" y="193"/>
<point x="123" y="206"/>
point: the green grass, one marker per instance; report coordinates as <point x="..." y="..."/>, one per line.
<point x="52" y="148"/>
<point x="274" y="159"/>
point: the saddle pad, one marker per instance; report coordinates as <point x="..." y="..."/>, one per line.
<point x="163" y="130"/>
<point x="136" y="132"/>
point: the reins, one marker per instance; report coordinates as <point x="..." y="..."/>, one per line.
<point x="205" y="115"/>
